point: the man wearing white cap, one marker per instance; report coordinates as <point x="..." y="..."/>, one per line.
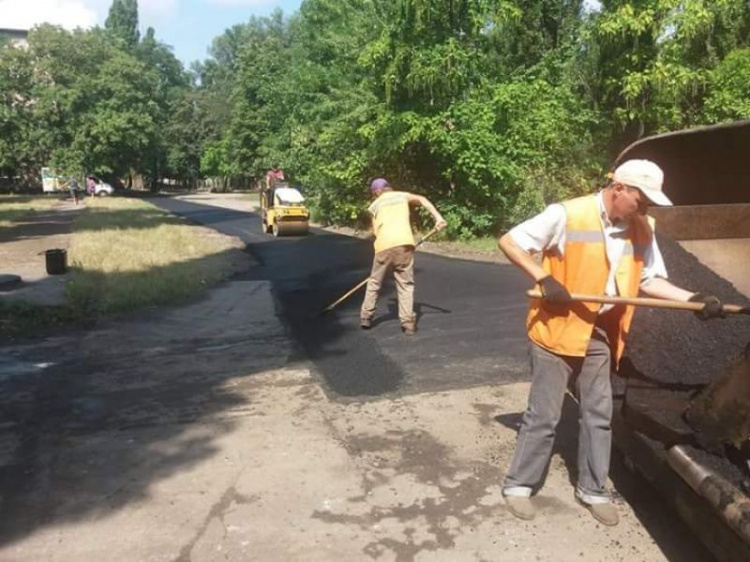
<point x="598" y="244"/>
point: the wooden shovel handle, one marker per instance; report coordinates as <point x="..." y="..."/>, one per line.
<point x="426" y="236"/>
<point x="651" y="303"/>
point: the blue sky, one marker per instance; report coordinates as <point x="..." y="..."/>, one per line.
<point x="188" y="26"/>
<point x="194" y="23"/>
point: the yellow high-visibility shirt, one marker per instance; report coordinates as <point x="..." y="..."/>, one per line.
<point x="390" y="219"/>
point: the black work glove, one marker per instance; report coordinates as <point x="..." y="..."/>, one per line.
<point x="553" y="291"/>
<point x="556" y="297"/>
<point x="713" y="308"/>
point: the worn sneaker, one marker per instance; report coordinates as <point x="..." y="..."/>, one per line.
<point x="521" y="507"/>
<point x="408" y="329"/>
<point x="365" y="323"/>
<point x="605" y="513"/>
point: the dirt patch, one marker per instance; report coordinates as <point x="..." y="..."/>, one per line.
<point x="22" y="248"/>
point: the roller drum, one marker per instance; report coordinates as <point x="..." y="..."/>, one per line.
<point x="290" y="228"/>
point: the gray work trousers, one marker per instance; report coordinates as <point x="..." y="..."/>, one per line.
<point x="401" y="260"/>
<point x="551" y="375"/>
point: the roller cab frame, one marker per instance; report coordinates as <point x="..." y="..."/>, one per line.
<point x="283" y="211"/>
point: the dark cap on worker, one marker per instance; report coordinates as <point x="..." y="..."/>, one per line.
<point x="379" y="184"/>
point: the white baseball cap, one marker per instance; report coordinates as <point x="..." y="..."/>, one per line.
<point x="646" y="176"/>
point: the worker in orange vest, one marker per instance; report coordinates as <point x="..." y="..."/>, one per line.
<point x="600" y="244"/>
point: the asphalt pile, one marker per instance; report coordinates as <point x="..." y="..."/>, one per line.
<point x="673" y="356"/>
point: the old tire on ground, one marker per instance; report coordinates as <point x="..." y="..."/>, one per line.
<point x="9" y="281"/>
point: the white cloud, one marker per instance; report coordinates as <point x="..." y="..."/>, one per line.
<point x="23" y="14"/>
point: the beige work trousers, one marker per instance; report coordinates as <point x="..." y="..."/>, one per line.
<point x="401" y="260"/>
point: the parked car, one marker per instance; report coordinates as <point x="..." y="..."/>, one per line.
<point x="102" y="188"/>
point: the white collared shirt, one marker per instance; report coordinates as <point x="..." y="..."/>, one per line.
<point x="546" y="232"/>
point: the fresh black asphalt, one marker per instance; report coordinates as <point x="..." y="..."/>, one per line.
<point x="471" y="314"/>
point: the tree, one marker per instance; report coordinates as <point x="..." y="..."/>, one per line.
<point x="260" y="94"/>
<point x="530" y="29"/>
<point x="175" y="149"/>
<point x="492" y="108"/>
<point x="78" y="102"/>
<point x="122" y="22"/>
<point x="18" y="152"/>
<point x="655" y="57"/>
<point x="728" y="89"/>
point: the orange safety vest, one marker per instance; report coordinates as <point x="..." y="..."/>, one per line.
<point x="584" y="269"/>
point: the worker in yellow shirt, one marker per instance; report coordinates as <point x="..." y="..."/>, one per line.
<point x="394" y="250"/>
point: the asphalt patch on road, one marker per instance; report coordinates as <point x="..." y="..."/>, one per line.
<point x="348" y="359"/>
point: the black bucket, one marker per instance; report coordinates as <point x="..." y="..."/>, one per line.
<point x="57" y="261"/>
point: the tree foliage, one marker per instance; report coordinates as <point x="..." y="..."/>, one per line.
<point x="492" y="108"/>
<point x="122" y="22"/>
<point x="84" y="103"/>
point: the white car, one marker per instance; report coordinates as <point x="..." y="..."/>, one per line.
<point x="101" y="188"/>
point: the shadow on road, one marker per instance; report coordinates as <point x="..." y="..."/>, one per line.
<point x="90" y="421"/>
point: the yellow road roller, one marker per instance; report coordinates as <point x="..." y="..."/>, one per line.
<point x="284" y="211"/>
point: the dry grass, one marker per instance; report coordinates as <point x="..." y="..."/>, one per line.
<point x="15" y="208"/>
<point x="127" y="254"/>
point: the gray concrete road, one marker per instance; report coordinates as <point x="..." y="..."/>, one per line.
<point x="226" y="429"/>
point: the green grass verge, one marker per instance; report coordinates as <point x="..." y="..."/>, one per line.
<point x="484" y="244"/>
<point x="126" y="254"/>
<point x="16" y="208"/>
<point x="21" y="318"/>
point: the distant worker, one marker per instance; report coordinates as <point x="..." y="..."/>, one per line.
<point x="598" y="244"/>
<point x="273" y="176"/>
<point x="73" y="190"/>
<point x="394" y="249"/>
<point x="91" y="186"/>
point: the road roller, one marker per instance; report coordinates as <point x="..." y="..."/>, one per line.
<point x="283" y="210"/>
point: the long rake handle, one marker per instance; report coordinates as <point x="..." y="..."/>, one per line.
<point x="364" y="281"/>
<point x="651" y="303"/>
<point x="347" y="295"/>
